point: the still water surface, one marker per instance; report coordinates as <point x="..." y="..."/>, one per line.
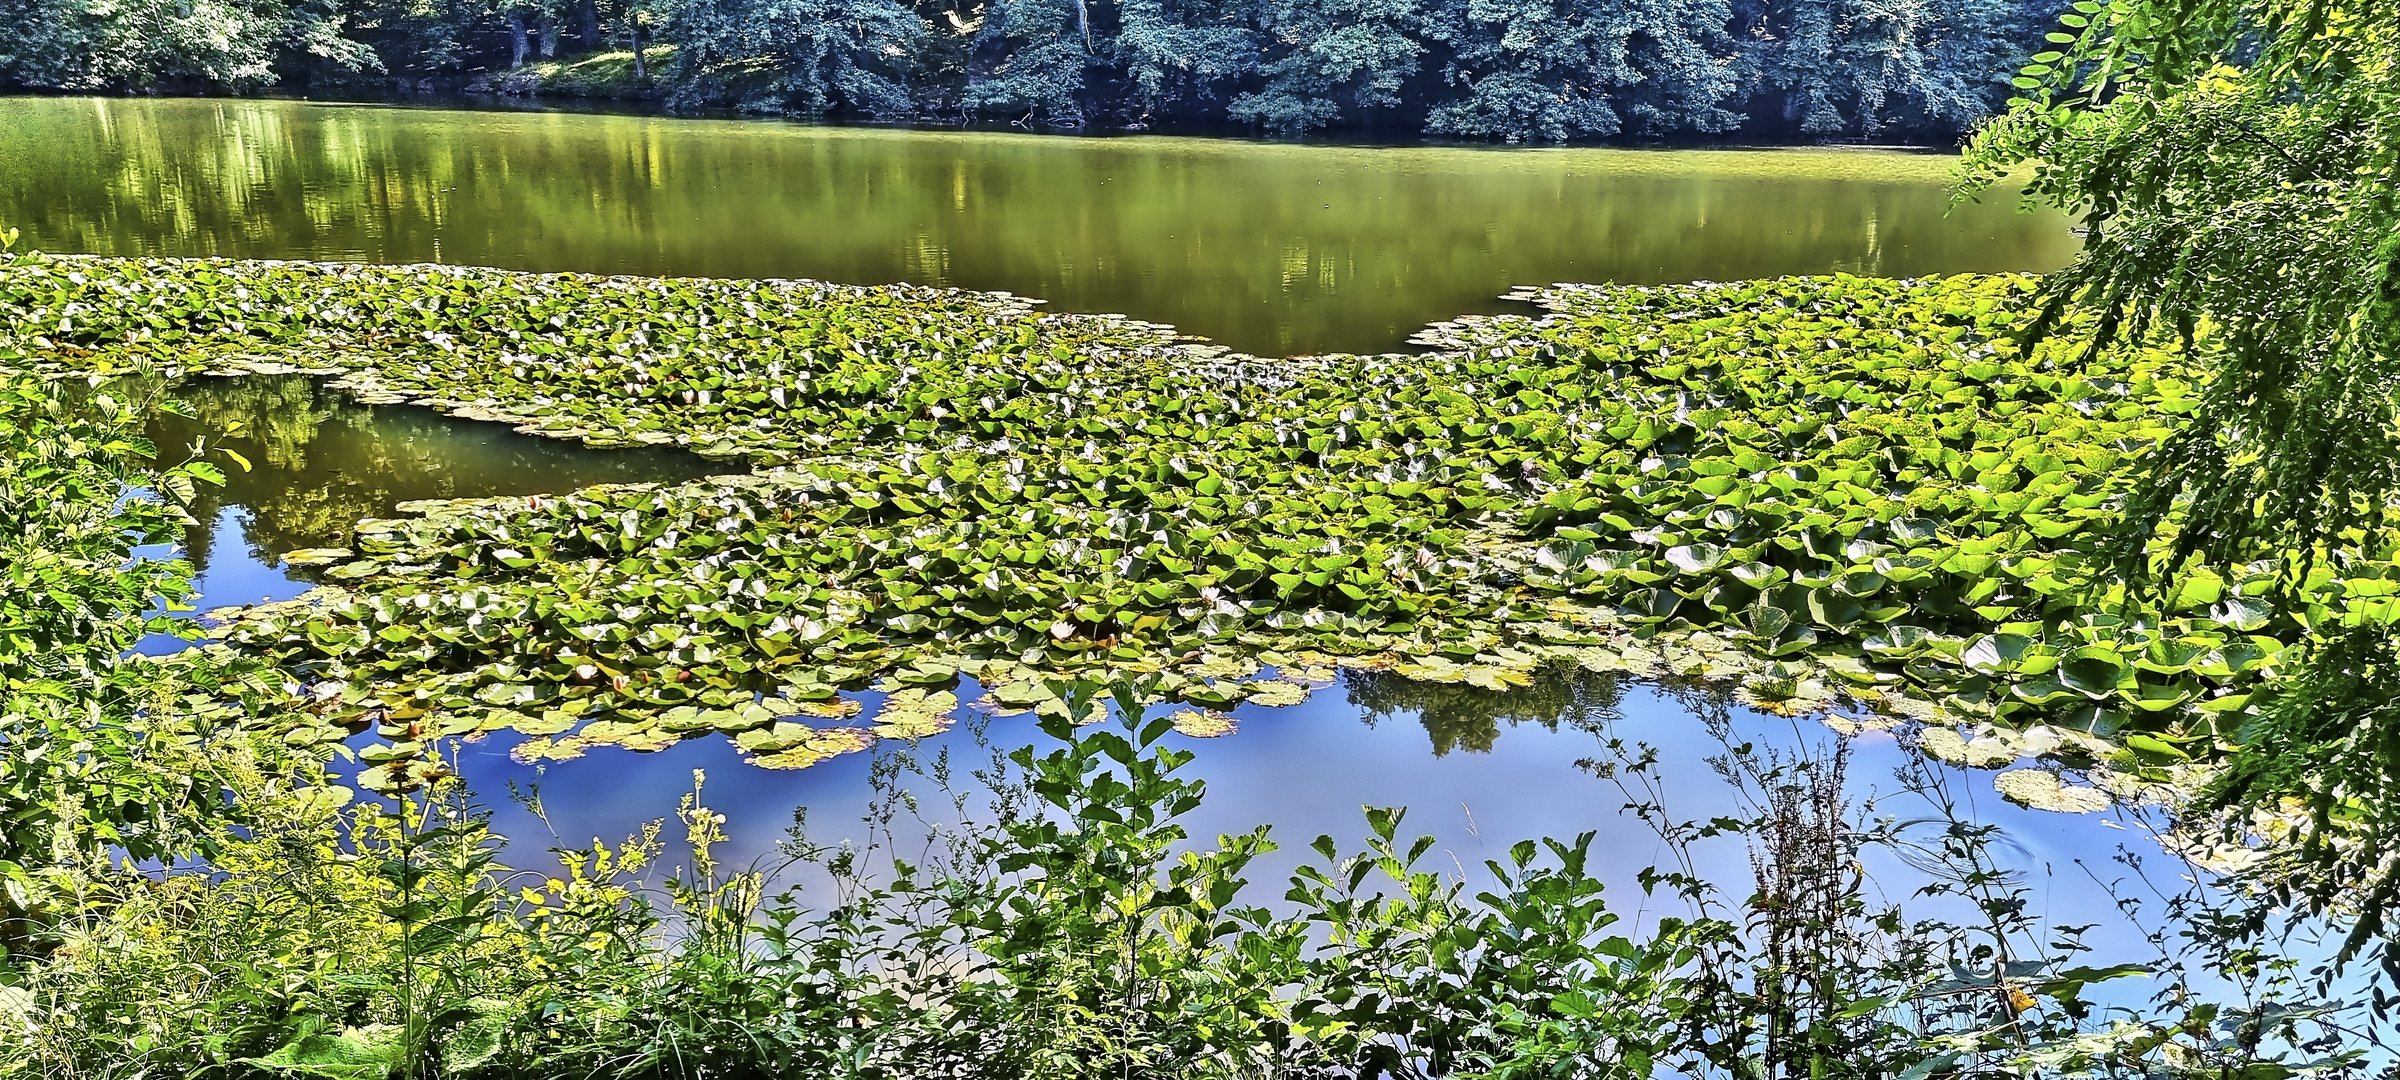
<point x="1269" y="248"/>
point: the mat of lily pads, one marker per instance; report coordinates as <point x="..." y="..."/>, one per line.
<point x="1829" y="491"/>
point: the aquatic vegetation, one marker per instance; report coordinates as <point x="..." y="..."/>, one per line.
<point x="1827" y="491"/>
<point x="2041" y="789"/>
<point x="725" y="367"/>
<point x="319" y="463"/>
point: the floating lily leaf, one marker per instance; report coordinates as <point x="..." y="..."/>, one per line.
<point x="829" y="709"/>
<point x="1981" y="752"/>
<point x="1022" y="694"/>
<point x="820" y="745"/>
<point x="535" y="751"/>
<point x="1276" y="693"/>
<point x="1202" y="724"/>
<point x="1695" y="558"/>
<point x="2040" y="789"/>
<point x="2094" y="671"/>
<point x="915" y="713"/>
<point x="1994" y="654"/>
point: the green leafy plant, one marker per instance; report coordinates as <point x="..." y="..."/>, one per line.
<point x="1060" y="922"/>
<point x="2233" y="160"/>
<point x="76" y="592"/>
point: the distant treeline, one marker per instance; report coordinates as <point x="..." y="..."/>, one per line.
<point x="1520" y="70"/>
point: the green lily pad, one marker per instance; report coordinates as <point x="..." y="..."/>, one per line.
<point x="2040" y="789"/>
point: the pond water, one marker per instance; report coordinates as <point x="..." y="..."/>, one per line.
<point x="1477" y="770"/>
<point x="1269" y="248"/>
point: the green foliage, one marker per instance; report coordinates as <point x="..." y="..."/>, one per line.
<point x="1058" y="920"/>
<point x="321" y="938"/>
<point x="1180" y="57"/>
<point x="232" y="45"/>
<point x="1549" y="71"/>
<point x="1029" y="60"/>
<point x="75" y="594"/>
<point x="797" y="57"/>
<point x="2233" y="161"/>
<point x="97" y="762"/>
<point x="1332" y="60"/>
<point x="1117" y="946"/>
<point x="302" y="439"/>
<point x="1870" y="68"/>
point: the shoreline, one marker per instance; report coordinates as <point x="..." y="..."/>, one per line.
<point x="459" y="93"/>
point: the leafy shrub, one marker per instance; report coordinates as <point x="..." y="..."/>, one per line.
<point x="78" y="506"/>
<point x="1066" y="925"/>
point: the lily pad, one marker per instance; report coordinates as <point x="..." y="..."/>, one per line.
<point x="2040" y="789"/>
<point x="1202" y="723"/>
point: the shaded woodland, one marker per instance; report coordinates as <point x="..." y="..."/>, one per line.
<point x="1505" y="70"/>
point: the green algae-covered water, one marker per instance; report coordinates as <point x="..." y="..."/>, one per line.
<point x="1269" y="248"/>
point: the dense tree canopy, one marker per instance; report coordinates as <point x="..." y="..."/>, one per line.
<point x="1557" y="70"/>
<point x="1541" y="70"/>
<point x="808" y="57"/>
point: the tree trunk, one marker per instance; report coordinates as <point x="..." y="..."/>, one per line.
<point x="518" y="46"/>
<point x="549" y="35"/>
<point x="633" y="22"/>
<point x="588" y="17"/>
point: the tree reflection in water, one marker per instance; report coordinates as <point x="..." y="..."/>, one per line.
<point x="1459" y="716"/>
<point x="320" y="463"/>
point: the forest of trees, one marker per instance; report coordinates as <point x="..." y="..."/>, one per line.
<point x="1516" y="70"/>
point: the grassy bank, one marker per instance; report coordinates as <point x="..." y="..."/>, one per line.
<point x="601" y="76"/>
